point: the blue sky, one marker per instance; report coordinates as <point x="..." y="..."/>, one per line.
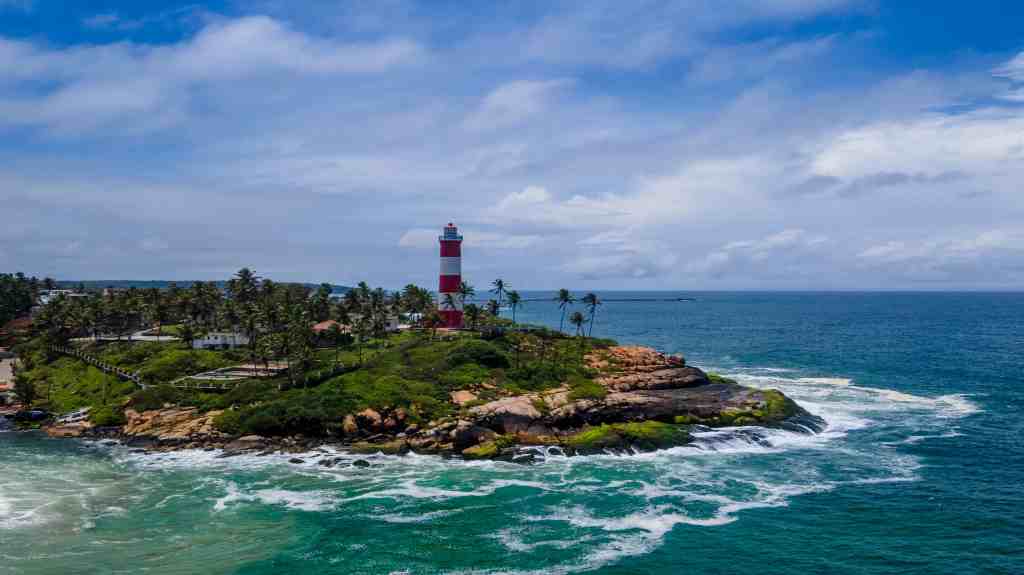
<point x="736" y="144"/>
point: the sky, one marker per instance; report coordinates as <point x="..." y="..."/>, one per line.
<point x="734" y="144"/>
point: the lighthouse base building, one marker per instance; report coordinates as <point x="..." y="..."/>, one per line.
<point x="449" y="302"/>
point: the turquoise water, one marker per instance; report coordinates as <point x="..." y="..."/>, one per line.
<point x="920" y="469"/>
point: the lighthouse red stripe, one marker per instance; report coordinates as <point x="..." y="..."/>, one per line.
<point x="452" y="318"/>
<point x="450" y="284"/>
<point x="451" y="249"/>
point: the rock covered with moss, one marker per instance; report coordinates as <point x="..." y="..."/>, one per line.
<point x="647" y="400"/>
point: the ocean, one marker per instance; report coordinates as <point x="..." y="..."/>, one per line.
<point x="920" y="470"/>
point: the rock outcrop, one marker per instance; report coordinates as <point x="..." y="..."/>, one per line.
<point x="649" y="401"/>
<point x="172" y="424"/>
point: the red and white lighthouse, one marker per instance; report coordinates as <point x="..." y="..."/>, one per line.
<point x="451" y="277"/>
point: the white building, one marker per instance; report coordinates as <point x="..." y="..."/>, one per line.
<point x="221" y="340"/>
<point x="46" y="296"/>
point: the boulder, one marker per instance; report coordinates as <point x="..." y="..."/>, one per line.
<point x="467" y="434"/>
<point x="246" y="443"/>
<point x="369" y="419"/>
<point x="509" y="414"/>
<point x="349" y="426"/>
<point x="462" y="397"/>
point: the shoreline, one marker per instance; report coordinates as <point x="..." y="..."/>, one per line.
<point x="644" y="401"/>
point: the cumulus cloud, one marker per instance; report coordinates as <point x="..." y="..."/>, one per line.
<point x="624" y="145"/>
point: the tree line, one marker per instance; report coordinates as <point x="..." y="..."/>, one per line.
<point x="18" y="293"/>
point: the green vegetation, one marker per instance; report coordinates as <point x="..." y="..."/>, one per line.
<point x="644" y="435"/>
<point x="414" y="371"/>
<point x="582" y="388"/>
<point x="17" y="293"/>
<point x="717" y="378"/>
<point x="776" y="407"/>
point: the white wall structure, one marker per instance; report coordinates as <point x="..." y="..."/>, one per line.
<point x="221" y="340"/>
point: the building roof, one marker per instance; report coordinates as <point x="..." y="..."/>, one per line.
<point x="326" y="325"/>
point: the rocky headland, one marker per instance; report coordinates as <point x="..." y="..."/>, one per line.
<point x="641" y="400"/>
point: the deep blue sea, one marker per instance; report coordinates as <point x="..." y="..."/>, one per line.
<point x="921" y="468"/>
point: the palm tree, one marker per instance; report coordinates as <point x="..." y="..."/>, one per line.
<point x="591" y="301"/>
<point x="499" y="289"/>
<point x="187" y="333"/>
<point x="577" y="320"/>
<point x="473" y="312"/>
<point x="432" y="319"/>
<point x="493" y="307"/>
<point x="514" y="301"/>
<point x="466" y="291"/>
<point x="564" y="299"/>
<point x="449" y="302"/>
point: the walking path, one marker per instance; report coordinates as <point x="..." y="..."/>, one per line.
<point x="100" y="364"/>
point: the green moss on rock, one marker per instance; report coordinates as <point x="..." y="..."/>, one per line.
<point x="486" y="450"/>
<point x="644" y="435"/>
<point x="778" y="406"/>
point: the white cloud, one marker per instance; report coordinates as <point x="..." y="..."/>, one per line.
<point x="427" y="238"/>
<point x="1012" y="69"/>
<point x="513" y="102"/>
<point x="744" y="256"/>
<point x="992" y="258"/>
<point x="973" y="142"/>
<point x="151" y="86"/>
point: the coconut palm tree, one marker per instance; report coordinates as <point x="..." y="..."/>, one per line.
<point x="564" y="299"/>
<point x="472" y="312"/>
<point x="499" y="289"/>
<point x="493" y="307"/>
<point x="466" y="291"/>
<point x="432" y="319"/>
<point x="449" y="302"/>
<point x="514" y="301"/>
<point x="577" y="320"/>
<point x="187" y="333"/>
<point x="591" y="301"/>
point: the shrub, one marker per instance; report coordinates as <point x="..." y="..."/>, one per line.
<point x="229" y="422"/>
<point x="581" y="388"/>
<point x="154" y="397"/>
<point x="465" y="375"/>
<point x="478" y="352"/>
<point x="106" y="416"/>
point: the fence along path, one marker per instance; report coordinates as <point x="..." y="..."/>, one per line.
<point x="184" y="382"/>
<point x="100" y="364"/>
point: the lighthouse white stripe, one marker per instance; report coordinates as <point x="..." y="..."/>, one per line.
<point x="451" y="266"/>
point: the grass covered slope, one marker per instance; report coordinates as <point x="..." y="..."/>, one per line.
<point x="412" y="376"/>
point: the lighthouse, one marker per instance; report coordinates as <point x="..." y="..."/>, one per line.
<point x="451" y="277"/>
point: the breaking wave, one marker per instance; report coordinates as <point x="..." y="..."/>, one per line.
<point x="571" y="513"/>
